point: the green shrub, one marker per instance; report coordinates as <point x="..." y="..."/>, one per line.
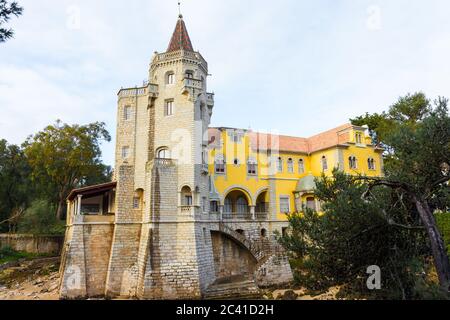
<point x="40" y="219"/>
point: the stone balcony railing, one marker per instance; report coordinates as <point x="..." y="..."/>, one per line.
<point x="151" y="89"/>
<point x="193" y="83"/>
<point x="179" y="54"/>
<point x="237" y="216"/>
<point x="164" y="162"/>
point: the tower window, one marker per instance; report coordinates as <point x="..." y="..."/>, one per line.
<point x="163" y="153"/>
<point x="127" y="113"/>
<point x="301" y="166"/>
<point x="214" y="206"/>
<point x="169" y="108"/>
<point x="170" y="78"/>
<point x="125" y="152"/>
<point x="190" y="74"/>
<point x="290" y="165"/>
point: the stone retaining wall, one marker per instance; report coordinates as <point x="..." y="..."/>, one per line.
<point x="33" y="244"/>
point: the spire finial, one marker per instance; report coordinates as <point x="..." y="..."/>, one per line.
<point x="179" y="10"/>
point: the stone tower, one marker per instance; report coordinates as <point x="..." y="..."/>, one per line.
<point x="150" y="233"/>
<point x="160" y="247"/>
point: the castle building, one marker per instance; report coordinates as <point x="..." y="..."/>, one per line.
<point x="192" y="210"/>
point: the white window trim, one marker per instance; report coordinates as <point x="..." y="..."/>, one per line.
<point x="288" y="198"/>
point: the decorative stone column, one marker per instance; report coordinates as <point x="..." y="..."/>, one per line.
<point x="80" y="196"/>
<point x="252" y="212"/>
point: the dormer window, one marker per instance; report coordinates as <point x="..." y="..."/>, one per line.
<point x="358" y="138"/>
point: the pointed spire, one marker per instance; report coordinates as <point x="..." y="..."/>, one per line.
<point x="180" y="38"/>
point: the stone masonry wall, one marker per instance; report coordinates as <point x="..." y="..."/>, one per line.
<point x="230" y="259"/>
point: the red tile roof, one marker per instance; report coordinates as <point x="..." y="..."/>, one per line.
<point x="321" y="141"/>
<point x="180" y="38"/>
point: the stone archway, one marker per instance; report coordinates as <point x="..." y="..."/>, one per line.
<point x="233" y="261"/>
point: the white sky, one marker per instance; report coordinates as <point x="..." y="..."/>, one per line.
<point x="295" y="67"/>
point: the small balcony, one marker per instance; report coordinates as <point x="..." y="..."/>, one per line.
<point x="237" y="216"/>
<point x="210" y="99"/>
<point x="193" y="83"/>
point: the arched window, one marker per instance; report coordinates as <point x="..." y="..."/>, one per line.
<point x="228" y="207"/>
<point x="219" y="164"/>
<point x="163" y="153"/>
<point x="241" y="205"/>
<point x="186" y="196"/>
<point x="290" y="165"/>
<point x="280" y="164"/>
<point x="324" y="163"/>
<point x="170" y="78"/>
<point x="352" y="162"/>
<point x="252" y="167"/>
<point x="301" y="166"/>
<point x="263" y="233"/>
<point x="371" y="163"/>
<point x="137" y="199"/>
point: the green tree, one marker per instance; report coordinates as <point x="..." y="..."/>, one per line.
<point x="7" y="10"/>
<point x="64" y="157"/>
<point x="357" y="231"/>
<point x="417" y="134"/>
<point x="15" y="186"/>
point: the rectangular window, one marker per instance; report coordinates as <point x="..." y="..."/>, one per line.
<point x="188" y="200"/>
<point x="290" y="166"/>
<point x="125" y="152"/>
<point x="301" y="166"/>
<point x="169" y="109"/>
<point x="204" y="205"/>
<point x="136" y="203"/>
<point x="171" y="78"/>
<point x="214" y="206"/>
<point x="251" y="168"/>
<point x="127" y="113"/>
<point x="280" y="165"/>
<point x="285" y="205"/>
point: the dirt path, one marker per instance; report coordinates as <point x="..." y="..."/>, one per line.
<point x="36" y="279"/>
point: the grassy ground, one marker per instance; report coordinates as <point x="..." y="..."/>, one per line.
<point x="8" y="255"/>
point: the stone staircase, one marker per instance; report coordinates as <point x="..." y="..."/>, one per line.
<point x="246" y="289"/>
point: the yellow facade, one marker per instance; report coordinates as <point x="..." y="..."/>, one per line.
<point x="348" y="148"/>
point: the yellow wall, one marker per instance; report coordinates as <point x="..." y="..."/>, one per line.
<point x="236" y="177"/>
